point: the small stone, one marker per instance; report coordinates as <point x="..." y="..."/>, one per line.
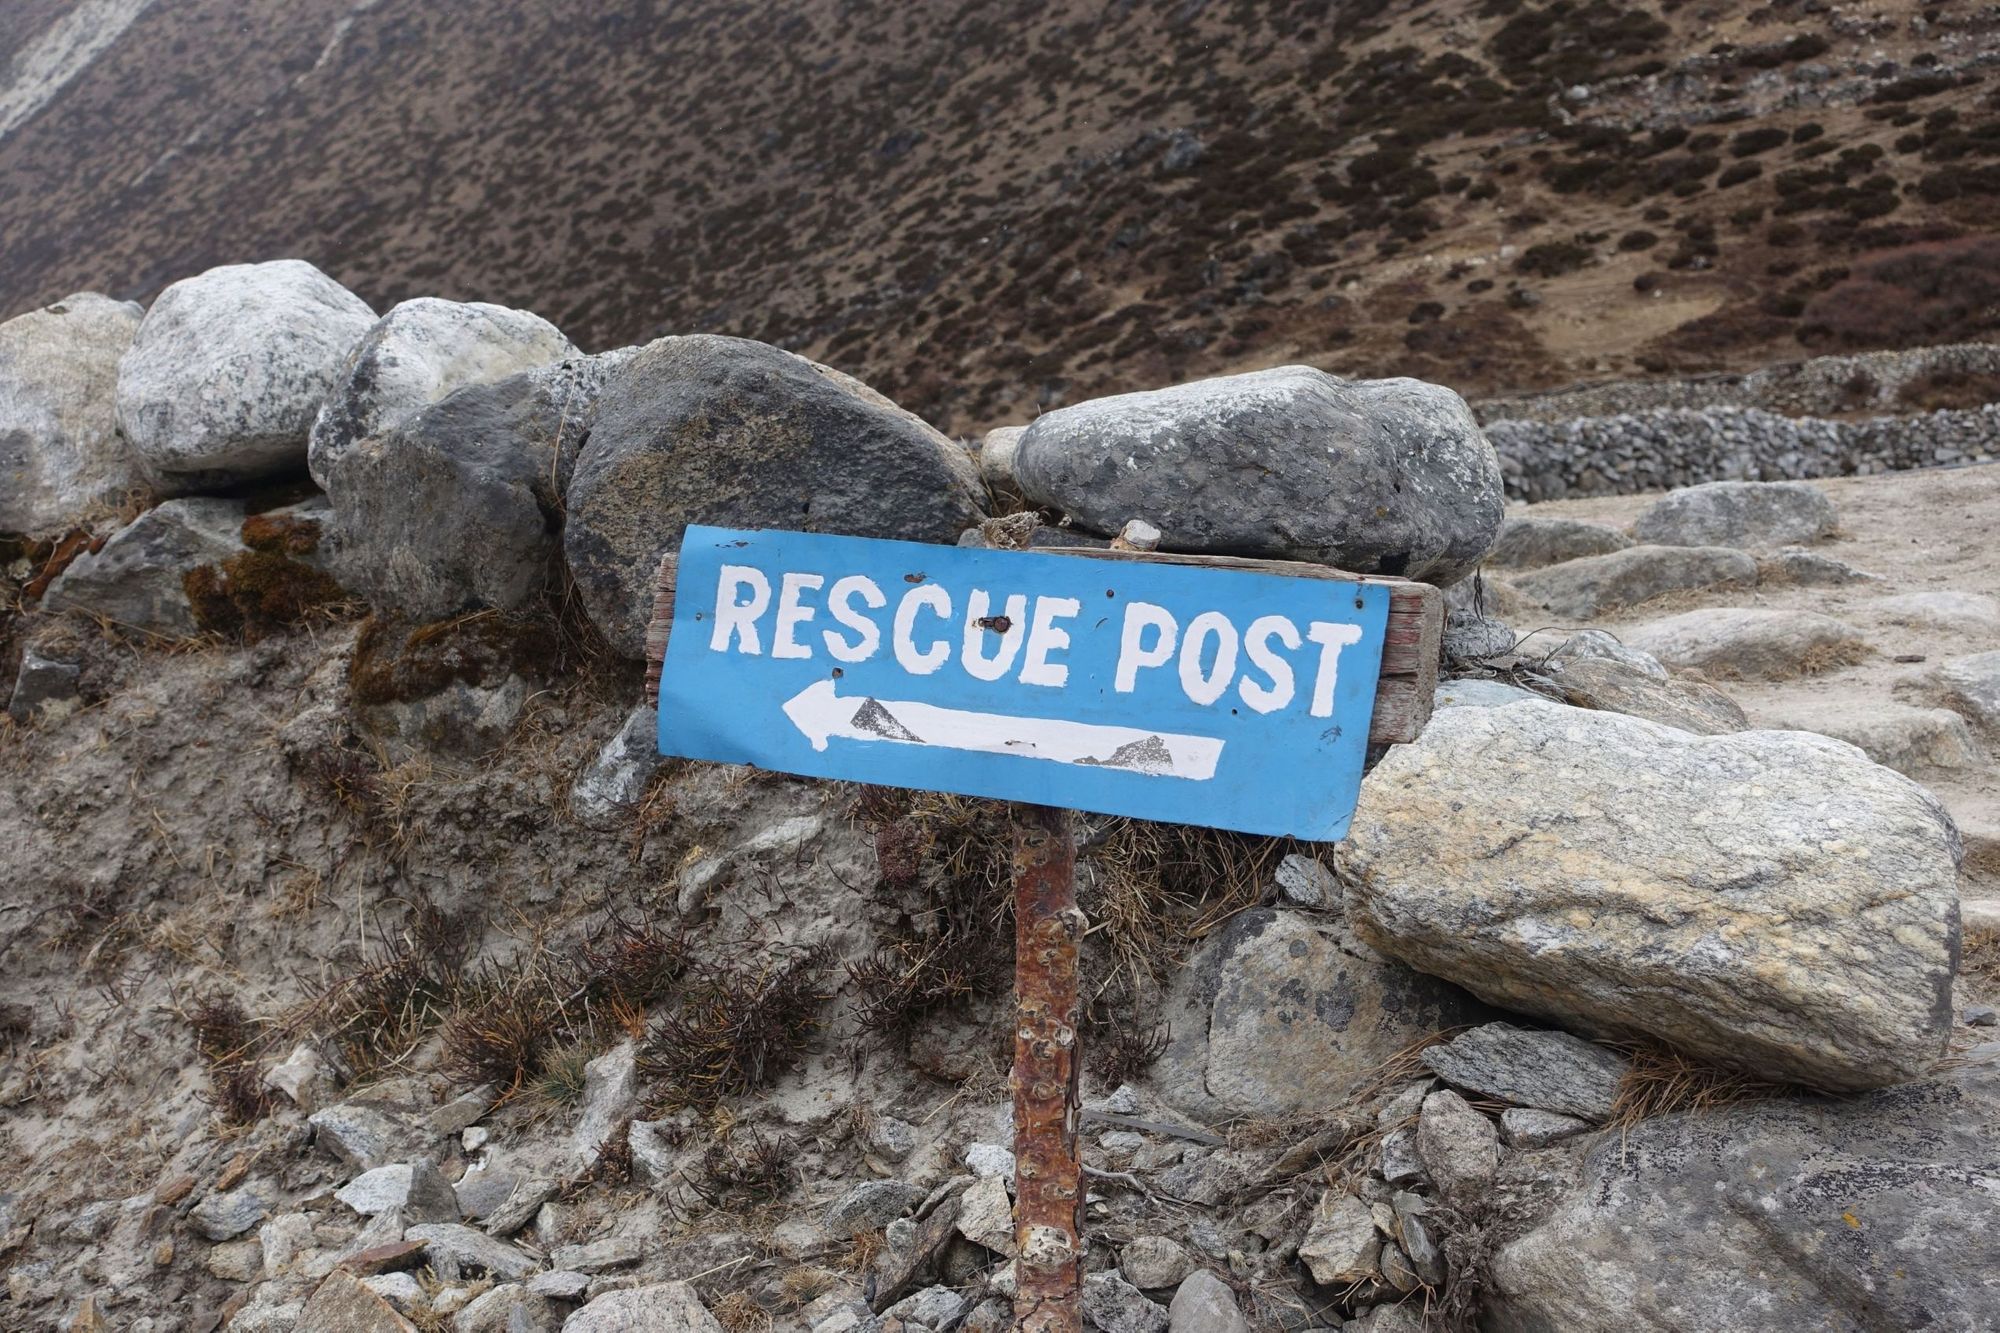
<point x="1526" y="1127"/>
<point x="521" y="1206"/>
<point x="1154" y="1262"/>
<point x="237" y="1260"/>
<point x="341" y="1304"/>
<point x="1304" y="881"/>
<point x="598" y="1255"/>
<point x="1121" y="1141"/>
<point x="1341" y="1244"/>
<point x="990" y="1159"/>
<point x="375" y="1191"/>
<point x="1113" y="1305"/>
<point x="1414" y="1235"/>
<point x="614" y="783"/>
<point x="365" y="1136"/>
<point x="872" y="1205"/>
<point x="933" y="1307"/>
<point x="390" y="1258"/>
<point x="303" y="1077"/>
<point x="1400" y="1163"/>
<point x="1459" y="1146"/>
<point x="461" y="1111"/>
<point x="1122" y="1100"/>
<point x="1205" y="1304"/>
<point x="1396" y="1269"/>
<point x="509" y="1308"/>
<point x="1981" y="1016"/>
<point x="1550" y="1071"/>
<point x="44" y="687"/>
<point x="891" y="1139"/>
<point x="669" y="1307"/>
<point x="475" y="1139"/>
<point x="986" y="1216"/>
<point x="399" y="1289"/>
<point x="285" y="1239"/>
<point x="610" y="1093"/>
<point x="225" y="1216"/>
<point x="458" y="1247"/>
<point x="560" y="1284"/>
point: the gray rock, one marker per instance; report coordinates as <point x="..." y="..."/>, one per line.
<point x="135" y="580"/>
<point x="669" y="1307"/>
<point x="508" y="1308"/>
<point x="1600" y="584"/>
<point x="60" y="454"/>
<point x="1690" y="705"/>
<point x="1909" y="740"/>
<point x="229" y="368"/>
<point x="1981" y="1016"/>
<point x="1971" y="686"/>
<point x="1374" y="476"/>
<point x="891" y="1139"/>
<point x="1459" y="1146"/>
<point x="1751" y="643"/>
<point x="462" y="1111"/>
<point x="225" y="1216"/>
<point x="44" y="687"/>
<point x="1966" y="612"/>
<point x="597" y="1255"/>
<point x="1400" y="1164"/>
<point x="1870" y="1212"/>
<point x="1413" y="1233"/>
<point x="399" y="1289"/>
<point x="1341" y="1244"/>
<point x="458" y="1247"/>
<point x="1471" y="637"/>
<point x="725" y="431"/>
<point x="1795" y="564"/>
<point x="560" y="1284"/>
<point x="459" y="506"/>
<point x="613" y="783"/>
<point x="1559" y="648"/>
<point x="1154" y="1262"/>
<point x="420" y="352"/>
<point x="1113" y="1305"/>
<point x="1304" y="881"/>
<point x="379" y="1190"/>
<point x="610" y="1095"/>
<point x="871" y="1205"/>
<point x="653" y="1152"/>
<point x="521" y="1206"/>
<point x="990" y="1159"/>
<point x="1737" y="513"/>
<point x="1530" y="543"/>
<point x="1550" y="1071"/>
<point x="1525" y="1127"/>
<point x="1274" y="1016"/>
<point x="1205" y="1304"/>
<point x="1481" y="694"/>
<point x="303" y="1077"/>
<point x="986" y="1215"/>
<point x="366" y="1135"/>
<point x="1679" y="907"/>
<point x="933" y="1307"/>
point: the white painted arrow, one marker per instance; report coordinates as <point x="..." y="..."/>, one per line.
<point x="821" y="714"/>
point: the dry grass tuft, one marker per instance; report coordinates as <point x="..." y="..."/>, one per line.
<point x="736" y="1024"/>
<point x="737" y="1312"/>
<point x="745" y="1167"/>
<point x="1822" y="658"/>
<point x="1664" y="1082"/>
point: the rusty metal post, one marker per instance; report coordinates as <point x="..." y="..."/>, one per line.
<point x="1048" y="1176"/>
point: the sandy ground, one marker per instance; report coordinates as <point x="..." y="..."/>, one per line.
<point x="1920" y="532"/>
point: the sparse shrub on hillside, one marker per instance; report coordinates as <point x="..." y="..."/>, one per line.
<point x="736" y="1024"/>
<point x="1949" y="390"/>
<point x="1550" y="259"/>
<point x="1737" y="173"/>
<point x="1947" y="291"/>
<point x="1748" y="143"/>
<point x="1638" y="239"/>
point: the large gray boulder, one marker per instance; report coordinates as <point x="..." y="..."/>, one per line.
<point x="420" y="352"/>
<point x="1619" y="687"/>
<point x="1866" y="1213"/>
<point x="1767" y="900"/>
<point x="704" y="429"/>
<point x="1374" y="476"/>
<point x="1761" y="514"/>
<point x="1596" y="585"/>
<point x="1751" y="642"/>
<point x="1275" y="1014"/>
<point x="137" y="579"/>
<point x="460" y="506"/>
<point x="1529" y="543"/>
<point x="229" y="368"/>
<point x="60" y="455"/>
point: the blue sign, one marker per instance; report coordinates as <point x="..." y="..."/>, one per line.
<point x="1194" y="695"/>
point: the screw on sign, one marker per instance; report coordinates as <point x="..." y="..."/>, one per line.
<point x="1234" y="694"/>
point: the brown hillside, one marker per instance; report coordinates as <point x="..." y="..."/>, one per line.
<point x="986" y="211"/>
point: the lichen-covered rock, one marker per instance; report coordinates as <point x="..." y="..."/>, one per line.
<point x="1530" y="543"/>
<point x="1599" y="584"/>
<point x="1751" y="642"/>
<point x="1871" y="1212"/>
<point x="138" y="578"/>
<point x="229" y="368"/>
<point x="60" y="453"/>
<point x="459" y="506"/>
<point x="705" y="429"/>
<point x="1768" y="900"/>
<point x="1276" y="1014"/>
<point x="1374" y="476"/>
<point x="1737" y="513"/>
<point x="418" y="353"/>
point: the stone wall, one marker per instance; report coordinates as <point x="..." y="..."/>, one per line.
<point x="1659" y="449"/>
<point x="1867" y="382"/>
